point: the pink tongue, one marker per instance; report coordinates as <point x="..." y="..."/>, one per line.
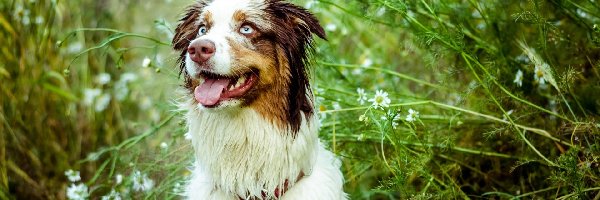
<point x="209" y="93"/>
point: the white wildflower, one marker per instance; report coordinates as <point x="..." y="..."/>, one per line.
<point x="412" y="115"/>
<point x="519" y="78"/>
<point x="188" y="136"/>
<point x="336" y="105"/>
<point x="164" y="145"/>
<point x="322" y="113"/>
<point x="73" y="176"/>
<point x="22" y="13"/>
<point x="481" y="26"/>
<point x="319" y="100"/>
<point x="19" y="11"/>
<point x="411" y="14"/>
<point x="538" y="75"/>
<point x="380" y="100"/>
<point x="395" y="124"/>
<point x="146" y="62"/>
<point x="381" y="11"/>
<point x="543" y="71"/>
<point x="103" y="78"/>
<point x="121" y="90"/>
<point x="141" y="182"/>
<point x="390" y="115"/>
<point x="367" y="62"/>
<point x="319" y="91"/>
<point x="118" y="179"/>
<point x="39" y="20"/>
<point x="384" y="118"/>
<point x="581" y="13"/>
<point x="26" y="20"/>
<point x="330" y="27"/>
<point x="147" y="183"/>
<point x="113" y="195"/>
<point x="476" y="14"/>
<point x="77" y="192"/>
<point x="89" y="95"/>
<point x="128" y="77"/>
<point x="102" y="102"/>
<point x="362" y="96"/>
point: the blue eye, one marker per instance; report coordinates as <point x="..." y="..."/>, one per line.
<point x="202" y="30"/>
<point x="246" y="29"/>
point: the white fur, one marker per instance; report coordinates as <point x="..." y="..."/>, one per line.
<point x="224" y="28"/>
<point x="239" y="153"/>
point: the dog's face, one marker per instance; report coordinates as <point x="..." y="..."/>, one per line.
<point x="248" y="53"/>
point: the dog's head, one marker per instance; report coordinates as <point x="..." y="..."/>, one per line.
<point x="248" y="53"/>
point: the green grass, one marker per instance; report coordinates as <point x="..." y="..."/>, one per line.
<point x="478" y="133"/>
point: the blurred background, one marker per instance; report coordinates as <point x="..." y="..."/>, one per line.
<point x="428" y="99"/>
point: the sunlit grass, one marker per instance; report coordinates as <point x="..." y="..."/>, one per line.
<point x="441" y="113"/>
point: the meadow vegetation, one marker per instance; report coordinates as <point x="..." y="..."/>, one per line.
<point x="423" y="99"/>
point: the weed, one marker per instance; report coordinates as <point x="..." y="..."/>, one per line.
<point x="426" y="99"/>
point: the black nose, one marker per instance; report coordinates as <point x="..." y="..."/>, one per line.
<point x="201" y="50"/>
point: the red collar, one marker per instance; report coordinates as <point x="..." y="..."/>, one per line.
<point x="278" y="192"/>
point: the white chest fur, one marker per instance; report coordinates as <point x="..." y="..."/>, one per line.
<point x="241" y="153"/>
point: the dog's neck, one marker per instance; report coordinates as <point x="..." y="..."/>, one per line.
<point x="245" y="154"/>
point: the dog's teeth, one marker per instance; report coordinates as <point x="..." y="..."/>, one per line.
<point x="240" y="81"/>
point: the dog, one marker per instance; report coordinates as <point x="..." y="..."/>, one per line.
<point x="249" y="107"/>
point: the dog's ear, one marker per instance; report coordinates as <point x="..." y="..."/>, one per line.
<point x="302" y="19"/>
<point x="293" y="29"/>
<point x="187" y="29"/>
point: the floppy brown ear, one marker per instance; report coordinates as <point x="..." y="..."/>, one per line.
<point x="293" y="28"/>
<point x="187" y="29"/>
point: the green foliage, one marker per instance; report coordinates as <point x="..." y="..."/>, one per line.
<point x="68" y="91"/>
<point x="460" y="122"/>
<point x="480" y="133"/>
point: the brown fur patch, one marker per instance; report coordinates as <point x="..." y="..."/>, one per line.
<point x="207" y="18"/>
<point x="239" y="16"/>
<point x="265" y="95"/>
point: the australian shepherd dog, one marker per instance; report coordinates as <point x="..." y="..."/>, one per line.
<point x="248" y="101"/>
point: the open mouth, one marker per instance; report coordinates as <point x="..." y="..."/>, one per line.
<point x="216" y="88"/>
